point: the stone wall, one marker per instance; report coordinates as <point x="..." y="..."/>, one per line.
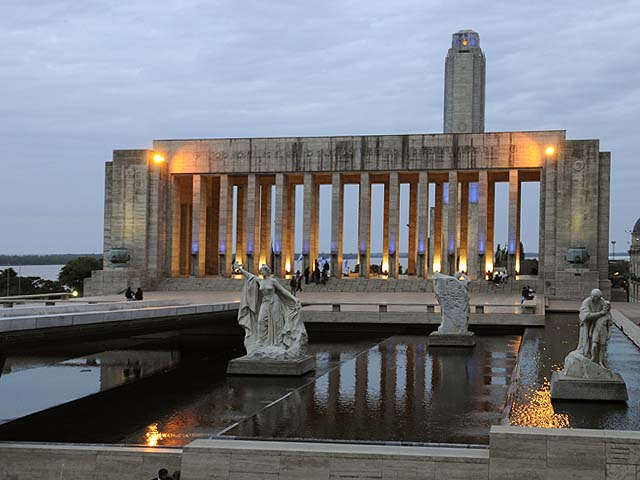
<point x="27" y="461"/>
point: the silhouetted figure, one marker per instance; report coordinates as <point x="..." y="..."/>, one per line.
<point x="293" y="284"/>
<point x="326" y="267"/>
<point x="299" y="281"/>
<point x="316" y="271"/>
<point x="163" y="473"/>
<point x="129" y="294"/>
<point x="139" y="297"/>
<point x="306" y="276"/>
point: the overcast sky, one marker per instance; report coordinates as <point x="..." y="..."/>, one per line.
<point x="81" y="78"/>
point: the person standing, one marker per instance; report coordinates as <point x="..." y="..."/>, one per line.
<point x="306" y="276"/>
<point x="293" y="284"/>
<point x="299" y="281"/>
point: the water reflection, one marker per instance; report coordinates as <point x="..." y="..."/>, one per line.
<point x="398" y="391"/>
<point x="32" y="384"/>
<point x="542" y="352"/>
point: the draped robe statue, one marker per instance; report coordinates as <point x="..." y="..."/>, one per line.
<point x="270" y="317"/>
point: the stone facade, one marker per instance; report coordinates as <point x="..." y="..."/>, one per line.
<point x="175" y="218"/>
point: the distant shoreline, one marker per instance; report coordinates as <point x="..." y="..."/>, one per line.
<point x="53" y="259"/>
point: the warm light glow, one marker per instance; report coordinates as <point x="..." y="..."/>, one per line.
<point x="549" y="150"/>
<point x="287" y="266"/>
<point x="157" y="158"/>
<point x="436" y="266"/>
<point x="463" y="265"/>
<point x="517" y="265"/>
<point x="536" y="410"/>
<point x="488" y="266"/>
<point x="153" y="435"/>
<point x="74" y="293"/>
<point x="385" y="267"/>
<point x="465" y="42"/>
<point x="263" y="260"/>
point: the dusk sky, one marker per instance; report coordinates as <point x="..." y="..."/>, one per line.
<point x="81" y="78"/>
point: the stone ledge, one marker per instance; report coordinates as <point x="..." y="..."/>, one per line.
<point x="263" y="366"/>
<point x="568" y="388"/>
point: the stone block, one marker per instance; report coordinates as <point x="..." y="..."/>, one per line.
<point x="621" y="472"/>
<point x="568" y="388"/>
<point x="294" y="466"/>
<point x="436" y="339"/>
<point x="263" y="366"/>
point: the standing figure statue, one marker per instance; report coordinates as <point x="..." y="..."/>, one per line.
<point x="270" y="316"/>
<point x="595" y="327"/>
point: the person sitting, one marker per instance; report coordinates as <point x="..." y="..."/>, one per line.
<point x="129" y="294"/>
<point x="138" y="296"/>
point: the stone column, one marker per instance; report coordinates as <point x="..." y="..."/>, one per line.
<point x="280" y="223"/>
<point x="174" y="193"/>
<point x="265" y="226"/>
<point x="413" y="228"/>
<point x="290" y="225"/>
<point x="309" y="223"/>
<point x="252" y="245"/>
<point x="384" y="264"/>
<point x="491" y="214"/>
<point x="225" y="225"/>
<point x="241" y="223"/>
<point x="513" y="262"/>
<point x="393" y="224"/>
<point x="472" y="238"/>
<point x="364" y="228"/>
<point x="452" y="209"/>
<point x="485" y="253"/>
<point x="438" y="256"/>
<point x="198" y="226"/>
<point x="541" y="229"/>
<point x="337" y="212"/>
<point x="423" y="220"/>
<point x="463" y="264"/>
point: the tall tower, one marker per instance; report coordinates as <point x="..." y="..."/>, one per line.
<point x="464" y="80"/>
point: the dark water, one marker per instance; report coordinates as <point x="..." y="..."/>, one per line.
<point x="171" y="388"/>
<point x="543" y="351"/>
<point x="398" y="391"/>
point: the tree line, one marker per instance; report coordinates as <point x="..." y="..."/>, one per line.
<point x="51" y="259"/>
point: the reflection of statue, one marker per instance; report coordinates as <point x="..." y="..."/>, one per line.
<point x="453" y="296"/>
<point x="270" y="316"/>
<point x="595" y="327"/>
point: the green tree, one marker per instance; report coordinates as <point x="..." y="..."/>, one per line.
<point x="72" y="275"/>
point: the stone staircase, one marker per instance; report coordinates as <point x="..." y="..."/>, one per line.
<point x="370" y="285"/>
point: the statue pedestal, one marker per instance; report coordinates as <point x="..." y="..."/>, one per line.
<point x="571" y="388"/>
<point x="436" y="339"/>
<point x="265" y="366"/>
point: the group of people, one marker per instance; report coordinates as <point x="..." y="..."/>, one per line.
<point x="131" y="295"/>
<point x="498" y="278"/>
<point x="317" y="276"/>
<point x="163" y="474"/>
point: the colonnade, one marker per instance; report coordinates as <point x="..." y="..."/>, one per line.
<point x="456" y="234"/>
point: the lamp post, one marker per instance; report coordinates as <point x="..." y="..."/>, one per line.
<point x="613" y="246"/>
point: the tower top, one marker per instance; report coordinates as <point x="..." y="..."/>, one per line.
<point x="465" y="39"/>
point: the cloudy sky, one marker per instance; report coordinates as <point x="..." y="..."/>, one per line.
<point x="81" y="78"/>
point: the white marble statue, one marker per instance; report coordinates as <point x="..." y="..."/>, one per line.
<point x="453" y="296"/>
<point x="589" y="359"/>
<point x="271" y="318"/>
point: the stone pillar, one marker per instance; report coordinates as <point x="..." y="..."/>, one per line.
<point x="241" y="223"/>
<point x="198" y="227"/>
<point x="384" y="264"/>
<point x="252" y="218"/>
<point x="541" y="228"/>
<point x="423" y="220"/>
<point x="513" y="258"/>
<point x="393" y="225"/>
<point x="463" y="252"/>
<point x="209" y="233"/>
<point x="337" y="212"/>
<point x="309" y="222"/>
<point x="225" y="225"/>
<point x="449" y="267"/>
<point x="491" y="214"/>
<point x="438" y="254"/>
<point x="280" y="223"/>
<point x="265" y="226"/>
<point x="413" y="228"/>
<point x="484" y="254"/>
<point x="472" y="238"/>
<point x="364" y="227"/>
<point x="174" y="193"/>
<point x="181" y="205"/>
<point x="290" y="226"/>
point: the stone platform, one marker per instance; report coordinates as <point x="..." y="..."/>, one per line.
<point x="569" y="388"/>
<point x="262" y="366"/>
<point x="436" y="339"/>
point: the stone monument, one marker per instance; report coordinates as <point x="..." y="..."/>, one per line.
<point x="453" y="296"/>
<point x="586" y="375"/>
<point x="275" y="337"/>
